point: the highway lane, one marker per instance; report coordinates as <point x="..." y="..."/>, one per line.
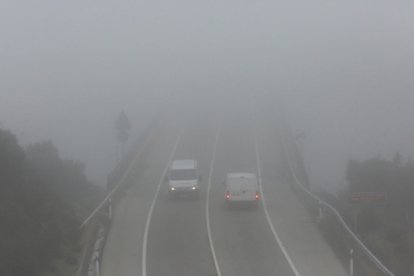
<point x="122" y="253"/>
<point x="177" y="240"/>
<point x="292" y="220"/>
<point x="243" y="240"/>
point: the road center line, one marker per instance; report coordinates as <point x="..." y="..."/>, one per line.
<point x="210" y="239"/>
<point x="278" y="240"/>
<point x="148" y="222"/>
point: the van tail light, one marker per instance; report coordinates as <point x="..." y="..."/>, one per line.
<point x="257" y="196"/>
<point x="227" y="195"/>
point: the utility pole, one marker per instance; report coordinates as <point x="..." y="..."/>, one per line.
<point x="122" y="126"/>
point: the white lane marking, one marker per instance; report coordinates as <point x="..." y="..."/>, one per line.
<point x="279" y="241"/>
<point x="147" y="224"/>
<point x="210" y="239"/>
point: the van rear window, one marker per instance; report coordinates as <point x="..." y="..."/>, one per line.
<point x="236" y="183"/>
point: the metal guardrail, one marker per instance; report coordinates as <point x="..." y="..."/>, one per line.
<point x="94" y="263"/>
<point x="321" y="202"/>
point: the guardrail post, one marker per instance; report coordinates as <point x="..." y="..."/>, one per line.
<point x="351" y="262"/>
<point x="320" y="214"/>
<point x="97" y="272"/>
<point x="110" y="208"/>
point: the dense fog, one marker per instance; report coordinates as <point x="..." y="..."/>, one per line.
<point x="342" y="71"/>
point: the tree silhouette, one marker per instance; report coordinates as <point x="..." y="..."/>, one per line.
<point x="42" y="199"/>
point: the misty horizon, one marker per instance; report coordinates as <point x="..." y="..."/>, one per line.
<point x="344" y="72"/>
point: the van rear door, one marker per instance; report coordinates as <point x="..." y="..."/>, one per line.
<point x="242" y="189"/>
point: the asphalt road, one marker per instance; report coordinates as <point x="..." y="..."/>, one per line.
<point x="243" y="240"/>
<point x="177" y="241"/>
<point x="123" y="250"/>
<point x="171" y="236"/>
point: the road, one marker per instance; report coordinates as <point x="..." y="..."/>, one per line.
<point x="177" y="243"/>
<point x="152" y="235"/>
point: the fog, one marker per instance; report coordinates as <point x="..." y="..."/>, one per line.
<point x="342" y="71"/>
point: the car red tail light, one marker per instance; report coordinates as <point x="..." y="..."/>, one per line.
<point x="257" y="196"/>
<point x="227" y="195"/>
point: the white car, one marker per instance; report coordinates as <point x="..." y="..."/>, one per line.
<point x="183" y="178"/>
<point x="242" y="188"/>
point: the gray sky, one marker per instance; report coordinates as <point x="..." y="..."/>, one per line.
<point x="344" y="70"/>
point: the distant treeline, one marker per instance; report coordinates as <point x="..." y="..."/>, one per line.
<point x="379" y="204"/>
<point x="42" y="198"/>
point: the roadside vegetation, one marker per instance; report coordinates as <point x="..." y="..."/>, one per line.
<point x="378" y="203"/>
<point x="42" y="200"/>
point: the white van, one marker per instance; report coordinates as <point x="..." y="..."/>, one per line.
<point x="242" y="188"/>
<point x="183" y="178"/>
